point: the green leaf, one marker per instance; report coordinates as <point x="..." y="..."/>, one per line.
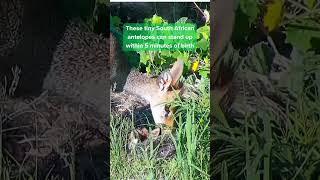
<point x="203" y="44"/>
<point x="207" y="60"/>
<point x="224" y="174"/>
<point x="115" y="21"/>
<point x="250" y="8"/>
<point x="148" y="69"/>
<point x="274" y="15"/>
<point x="182" y="20"/>
<point x="156" y="19"/>
<point x="165" y="53"/>
<point x="204" y="31"/>
<point x="176" y="54"/>
<point x="310" y="3"/>
<point x="185" y="57"/>
<point x="204" y="72"/>
<point x="144" y="57"/>
<point x="301" y="35"/>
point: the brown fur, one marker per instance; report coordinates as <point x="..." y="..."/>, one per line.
<point x="157" y="91"/>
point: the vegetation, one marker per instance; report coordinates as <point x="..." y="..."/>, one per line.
<point x="191" y="137"/>
<point x="14" y="135"/>
<point x="271" y="130"/>
<point x="155" y="62"/>
<point x="191" y="140"/>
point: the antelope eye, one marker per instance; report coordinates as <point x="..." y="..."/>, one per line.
<point x="167" y="111"/>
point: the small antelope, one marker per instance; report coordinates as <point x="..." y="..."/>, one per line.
<point x="156" y="91"/>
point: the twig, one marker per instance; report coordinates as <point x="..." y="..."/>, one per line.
<point x="199" y="9"/>
<point x="16" y="76"/>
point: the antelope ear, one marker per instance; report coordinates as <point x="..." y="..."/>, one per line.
<point x="164" y="81"/>
<point x="172" y="77"/>
<point x="176" y="72"/>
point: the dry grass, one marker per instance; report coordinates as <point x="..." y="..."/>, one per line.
<point x="47" y="136"/>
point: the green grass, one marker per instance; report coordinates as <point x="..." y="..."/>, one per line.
<point x="279" y="140"/>
<point x="191" y="140"/>
<point x="10" y="168"/>
<point x="262" y="147"/>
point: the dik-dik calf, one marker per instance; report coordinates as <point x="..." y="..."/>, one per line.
<point x="157" y="91"/>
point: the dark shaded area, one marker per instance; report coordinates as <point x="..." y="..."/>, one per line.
<point x="244" y="36"/>
<point x="137" y="12"/>
<point x="103" y="23"/>
<point x="90" y="162"/>
<point x="265" y="100"/>
<point x="42" y="27"/>
<point x="279" y="38"/>
<point x="315" y="43"/>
